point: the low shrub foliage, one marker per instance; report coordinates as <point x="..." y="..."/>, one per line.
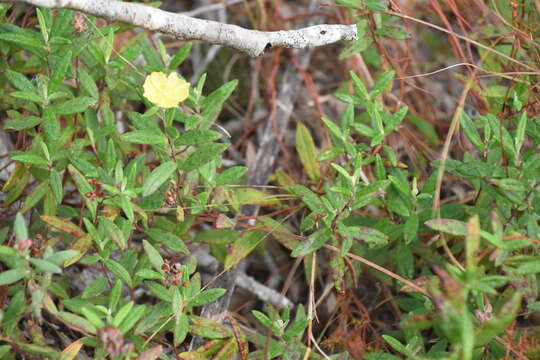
<point x="104" y="181"/>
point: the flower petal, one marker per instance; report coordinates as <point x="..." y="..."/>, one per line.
<point x="165" y="91"/>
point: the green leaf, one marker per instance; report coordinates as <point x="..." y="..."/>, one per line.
<point x="382" y="84"/>
<point x="87" y="83"/>
<point x="392" y="32"/>
<point x="349" y="3"/>
<point x="62" y="256"/>
<point x="114" y="232"/>
<point x="217" y="236"/>
<point x="396" y="119"/>
<point x="380" y="356"/>
<point x="46" y="266"/>
<point x="203" y="155"/>
<point x="20" y="81"/>
<point x="401" y="186"/>
<point x="396" y="344"/>
<point x="263" y="319"/>
<point x="207" y="297"/>
<point x="84" y="188"/>
<point x="373" y="237"/>
<point x="312" y="243"/>
<point x="359" y="85"/>
<point x="118" y="270"/>
<point x="4" y="349"/>
<point x="22" y="40"/>
<point x="28" y="96"/>
<point x="243" y="247"/>
<point x="158" y="176"/>
<point x="334" y="129"/>
<point x="245" y="196"/>
<point x="311" y="199"/>
<point x="73" y="106"/>
<point x="40" y="351"/>
<point x="212" y="103"/>
<point x="356" y="47"/>
<point x="307" y="152"/>
<point x="28" y="158"/>
<point x="35" y="196"/>
<point x="77" y="322"/>
<point x="158" y="290"/>
<point x="231" y="175"/>
<point x="56" y="186"/>
<point x="172" y="241"/>
<point x="470" y="131"/>
<point x="520" y="132"/>
<point x="60" y="68"/>
<point x="181" y="328"/>
<point x="115" y="294"/>
<point x="343" y="173"/>
<point x="375" y="5"/>
<point x="146" y="137"/>
<point x="177" y="303"/>
<point x="148" y="274"/>
<point x="12" y="276"/>
<point x="197" y="137"/>
<point x="410" y="229"/>
<point x="122" y="313"/>
<point x="530" y="267"/>
<point x="95" y="288"/>
<point x="21" y="231"/>
<point x="51" y="127"/>
<point x="367" y="194"/>
<point x="449" y="226"/>
<point x="22" y="123"/>
<point x="180" y="56"/>
<point x="150" y="54"/>
<point x="153" y="255"/>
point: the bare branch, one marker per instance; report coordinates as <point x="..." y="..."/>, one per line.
<point x="252" y="42"/>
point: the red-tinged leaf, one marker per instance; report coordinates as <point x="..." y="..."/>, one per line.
<point x="63" y="225"/>
<point x="70" y="352"/>
<point x="242" y="247"/>
<point x="77" y="321"/>
<point x="151" y="354"/>
<point x="208" y="328"/>
<point x="192" y="355"/>
<point x="226" y="351"/>
<point x="82" y="245"/>
<point x="240" y="337"/>
<point x="279" y="232"/>
<point x="224" y="222"/>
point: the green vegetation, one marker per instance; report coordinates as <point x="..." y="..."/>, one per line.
<point x="405" y="231"/>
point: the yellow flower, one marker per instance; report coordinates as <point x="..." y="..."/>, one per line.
<point x="165" y="91"/>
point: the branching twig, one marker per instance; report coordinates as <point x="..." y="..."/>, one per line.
<point x="252" y="42"/>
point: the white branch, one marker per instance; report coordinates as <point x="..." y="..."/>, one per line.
<point x="252" y="42"/>
<point x="264" y="293"/>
